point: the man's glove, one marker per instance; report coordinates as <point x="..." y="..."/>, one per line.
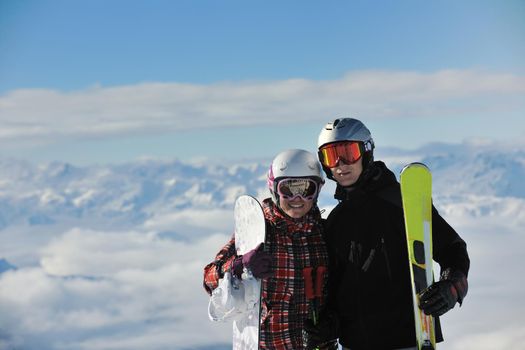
<point x="441" y="296"/>
<point x="323" y="335"/>
<point x="256" y="260"/>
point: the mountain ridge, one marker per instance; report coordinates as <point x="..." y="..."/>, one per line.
<point x="43" y="194"/>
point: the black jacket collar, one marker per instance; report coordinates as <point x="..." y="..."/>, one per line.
<point x="374" y="178"/>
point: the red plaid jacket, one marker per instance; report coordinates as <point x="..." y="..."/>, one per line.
<point x="297" y="248"/>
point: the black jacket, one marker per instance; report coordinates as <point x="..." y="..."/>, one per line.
<point x="370" y="289"/>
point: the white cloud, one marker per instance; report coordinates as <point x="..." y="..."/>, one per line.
<point x="491" y="315"/>
<point x="155" y="107"/>
<point x="81" y="252"/>
<point x="111" y="290"/>
<point x="192" y="220"/>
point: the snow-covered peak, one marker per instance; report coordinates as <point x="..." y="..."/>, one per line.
<point x="136" y="191"/>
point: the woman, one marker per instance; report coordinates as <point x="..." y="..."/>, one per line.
<point x="294" y="255"/>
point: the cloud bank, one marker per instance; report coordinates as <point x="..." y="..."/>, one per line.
<point x="109" y="290"/>
<point x="159" y="107"/>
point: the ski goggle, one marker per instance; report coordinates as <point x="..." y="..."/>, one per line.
<point x="348" y="151"/>
<point x="289" y="188"/>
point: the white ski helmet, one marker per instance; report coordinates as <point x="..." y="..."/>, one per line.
<point x="347" y="129"/>
<point x="293" y="163"/>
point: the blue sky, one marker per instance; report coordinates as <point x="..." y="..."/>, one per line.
<point x="104" y="81"/>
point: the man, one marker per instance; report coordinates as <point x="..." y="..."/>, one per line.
<point x="370" y="289"/>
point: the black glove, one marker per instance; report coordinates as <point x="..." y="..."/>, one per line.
<point x="323" y="335"/>
<point x="256" y="260"/>
<point x="441" y="296"/>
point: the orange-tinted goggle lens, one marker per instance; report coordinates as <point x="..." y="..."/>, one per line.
<point x="348" y="152"/>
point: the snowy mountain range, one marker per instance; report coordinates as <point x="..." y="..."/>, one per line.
<point x="132" y="193"/>
<point x="128" y="193"/>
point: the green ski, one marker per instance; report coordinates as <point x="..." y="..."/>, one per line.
<point x="416" y="193"/>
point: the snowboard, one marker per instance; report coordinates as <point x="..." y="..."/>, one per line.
<point x="416" y="194"/>
<point x="250" y="231"/>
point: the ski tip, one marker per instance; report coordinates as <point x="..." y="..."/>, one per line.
<point x="415" y="165"/>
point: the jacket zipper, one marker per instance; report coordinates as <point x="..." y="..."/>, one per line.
<point x="387" y="260"/>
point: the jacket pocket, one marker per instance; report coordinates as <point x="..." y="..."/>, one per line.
<point x="275" y="312"/>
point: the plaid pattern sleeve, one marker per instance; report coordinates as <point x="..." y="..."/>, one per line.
<point x="222" y="263"/>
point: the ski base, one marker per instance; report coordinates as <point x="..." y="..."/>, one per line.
<point x="416" y="193"/>
<point x="250" y="231"/>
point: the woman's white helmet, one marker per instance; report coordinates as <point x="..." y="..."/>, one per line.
<point x="293" y="163"/>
